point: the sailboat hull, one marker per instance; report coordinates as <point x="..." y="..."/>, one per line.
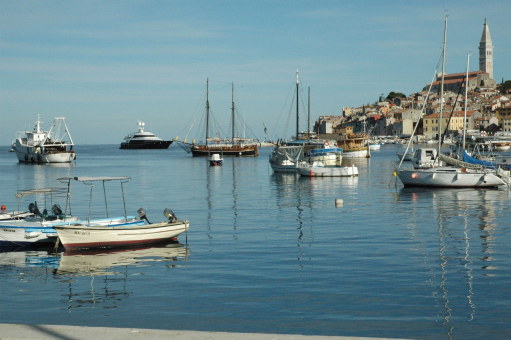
<point x="225" y="150"/>
<point x="448" y="177"/>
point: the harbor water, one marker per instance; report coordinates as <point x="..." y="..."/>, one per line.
<point x="267" y="252"/>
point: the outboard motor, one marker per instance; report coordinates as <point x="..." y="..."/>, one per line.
<point x="32" y="207"/>
<point x="169" y="214"/>
<point x="56" y="210"/>
<point x="141" y="214"/>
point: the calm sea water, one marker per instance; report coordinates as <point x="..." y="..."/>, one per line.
<point x="270" y="253"/>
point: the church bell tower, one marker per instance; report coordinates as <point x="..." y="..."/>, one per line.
<point x="486" y="51"/>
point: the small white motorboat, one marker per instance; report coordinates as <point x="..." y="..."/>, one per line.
<point x="328" y="156"/>
<point x="317" y="169"/>
<point x="216" y="160"/>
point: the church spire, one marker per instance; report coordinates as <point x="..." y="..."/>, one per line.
<point x="486" y="51"/>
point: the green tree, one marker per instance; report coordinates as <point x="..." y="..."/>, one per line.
<point x="393" y="95"/>
<point x="505" y="86"/>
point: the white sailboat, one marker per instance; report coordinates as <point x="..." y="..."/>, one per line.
<point x="287" y="154"/>
<point x="428" y="170"/>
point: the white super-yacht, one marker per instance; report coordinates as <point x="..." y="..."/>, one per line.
<point x="144" y="140"/>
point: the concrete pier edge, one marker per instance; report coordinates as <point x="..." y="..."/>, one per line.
<point x="62" y="332"/>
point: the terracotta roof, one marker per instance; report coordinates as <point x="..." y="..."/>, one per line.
<point x="446" y="114"/>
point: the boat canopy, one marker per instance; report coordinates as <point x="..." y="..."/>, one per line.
<point x="291" y="153"/>
<point x="24" y="193"/>
<point x="92" y="179"/>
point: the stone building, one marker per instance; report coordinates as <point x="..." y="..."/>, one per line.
<point x="476" y="79"/>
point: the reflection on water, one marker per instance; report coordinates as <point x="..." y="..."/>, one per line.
<point x="112" y="262"/>
<point x="109" y="270"/>
<point x="464" y="217"/>
<point x="271" y="250"/>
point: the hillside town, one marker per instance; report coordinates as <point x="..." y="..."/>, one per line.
<point x="487" y="110"/>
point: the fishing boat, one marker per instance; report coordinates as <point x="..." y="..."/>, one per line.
<point x="144" y="140"/>
<point x="430" y="165"/>
<point x="37" y="228"/>
<point x="90" y="234"/>
<point x="354" y="145"/>
<point x="318" y="169"/>
<point x="236" y="146"/>
<point x="13" y="215"/>
<point x="52" y="146"/>
<point x="216" y="160"/>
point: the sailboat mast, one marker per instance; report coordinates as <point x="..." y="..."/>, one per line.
<point x="308" y="112"/>
<point x="207" y="110"/>
<point x="465" y="106"/>
<point x="232" y="111"/>
<point x="297" y="110"/>
<point x="442" y="88"/>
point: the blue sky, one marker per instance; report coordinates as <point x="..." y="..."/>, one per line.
<point x="106" y="64"/>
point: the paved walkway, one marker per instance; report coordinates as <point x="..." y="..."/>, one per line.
<point x="46" y="332"/>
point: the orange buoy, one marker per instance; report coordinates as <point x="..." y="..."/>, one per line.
<point x="4" y="207"/>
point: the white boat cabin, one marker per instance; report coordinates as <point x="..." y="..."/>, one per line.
<point x="425" y="158"/>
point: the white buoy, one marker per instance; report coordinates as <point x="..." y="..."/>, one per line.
<point x="339" y="201"/>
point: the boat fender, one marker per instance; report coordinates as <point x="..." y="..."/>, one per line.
<point x="32" y="234"/>
<point x="142" y="215"/>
